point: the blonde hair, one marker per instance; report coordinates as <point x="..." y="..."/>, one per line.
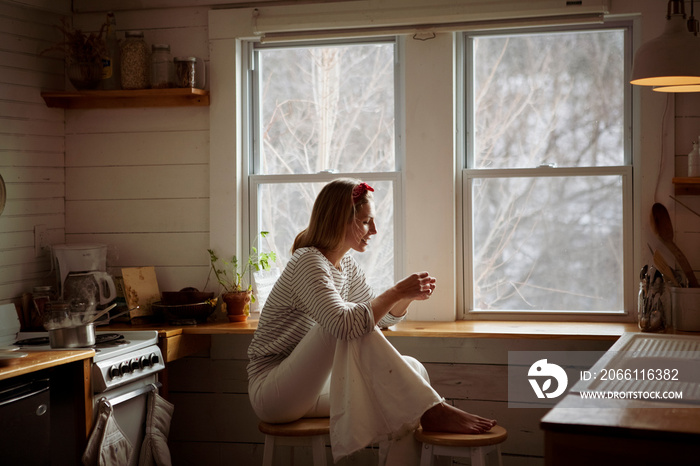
<point x="333" y="210"/>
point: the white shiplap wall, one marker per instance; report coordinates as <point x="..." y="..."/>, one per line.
<point x="31" y="142"/>
<point x="138" y="179"/>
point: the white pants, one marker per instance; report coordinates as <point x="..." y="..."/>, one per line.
<point x="371" y="393"/>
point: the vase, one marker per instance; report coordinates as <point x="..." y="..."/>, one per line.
<point x="85" y="75"/>
<point x="237" y="305"/>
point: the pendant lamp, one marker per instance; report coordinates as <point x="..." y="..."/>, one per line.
<point x="673" y="58"/>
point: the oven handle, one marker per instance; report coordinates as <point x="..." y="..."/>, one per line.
<point x="128" y="396"/>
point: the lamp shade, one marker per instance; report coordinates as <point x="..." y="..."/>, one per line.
<point x="683" y="88"/>
<point x="671" y="59"/>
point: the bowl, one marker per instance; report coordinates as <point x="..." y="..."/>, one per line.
<point x="185" y="314"/>
<point x="185" y="296"/>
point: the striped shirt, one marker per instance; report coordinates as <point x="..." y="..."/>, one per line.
<point x="309" y="291"/>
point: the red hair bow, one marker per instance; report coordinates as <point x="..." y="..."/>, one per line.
<point x="359" y="190"/>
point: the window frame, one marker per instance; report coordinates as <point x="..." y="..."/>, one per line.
<point x="465" y="145"/>
<point x="253" y="180"/>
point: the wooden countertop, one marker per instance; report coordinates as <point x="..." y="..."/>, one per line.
<point x="38" y="360"/>
<point x="671" y="420"/>
<point x="458" y="329"/>
<point x="623" y="429"/>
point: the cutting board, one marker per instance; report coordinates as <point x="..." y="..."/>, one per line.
<point x="140" y="289"/>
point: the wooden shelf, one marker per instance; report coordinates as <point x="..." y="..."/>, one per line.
<point x="127" y="99"/>
<point x="687" y="186"/>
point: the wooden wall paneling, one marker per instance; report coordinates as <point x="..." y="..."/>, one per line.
<point x="30" y="111"/>
<point x="485" y="350"/>
<point x="186" y="453"/>
<point x="142" y="148"/>
<point x="59" y="6"/>
<point x="89" y="5"/>
<point x="137" y="120"/>
<point x="41" y="128"/>
<point x="158" y="249"/>
<point x="177" y="278"/>
<point x="185" y="16"/>
<point x="209" y="375"/>
<point x="40" y="81"/>
<point x="21" y="93"/>
<point x="213" y="417"/>
<point x="148" y="215"/>
<point x="230" y="346"/>
<point x="127" y="183"/>
<point x="470" y="381"/>
<point x="15" y="224"/>
<point x="18" y="158"/>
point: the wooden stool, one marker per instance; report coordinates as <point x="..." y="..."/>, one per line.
<point x="306" y="432"/>
<point x="475" y="446"/>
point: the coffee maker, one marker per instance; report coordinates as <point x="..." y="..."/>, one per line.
<point x="82" y="274"/>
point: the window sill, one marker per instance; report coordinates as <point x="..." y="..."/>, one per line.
<point x="465" y="329"/>
<point x="512" y="329"/>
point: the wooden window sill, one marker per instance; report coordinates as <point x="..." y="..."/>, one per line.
<point x="458" y="329"/>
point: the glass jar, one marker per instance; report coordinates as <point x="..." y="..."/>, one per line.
<point x="135" y="61"/>
<point x="57" y="316"/>
<point x="42" y="295"/>
<point x="653" y="305"/>
<point x="162" y="70"/>
<point x="186" y="71"/>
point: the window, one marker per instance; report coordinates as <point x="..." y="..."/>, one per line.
<point x="320" y="111"/>
<point x="547" y="180"/>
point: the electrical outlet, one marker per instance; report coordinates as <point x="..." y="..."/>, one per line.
<point x="41" y="240"/>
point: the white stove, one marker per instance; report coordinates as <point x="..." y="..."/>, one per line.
<point x="124" y="371"/>
<point x="120" y="357"/>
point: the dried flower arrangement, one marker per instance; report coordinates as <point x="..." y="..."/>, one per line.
<point x="83" y="54"/>
<point x="79" y="47"/>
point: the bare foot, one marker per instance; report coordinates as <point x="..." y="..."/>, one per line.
<point x="446" y="418"/>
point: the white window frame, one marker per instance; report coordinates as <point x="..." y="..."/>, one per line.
<point x="253" y="180"/>
<point x="466" y="147"/>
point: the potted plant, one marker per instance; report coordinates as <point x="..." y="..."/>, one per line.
<point x="83" y="54"/>
<point x="232" y="276"/>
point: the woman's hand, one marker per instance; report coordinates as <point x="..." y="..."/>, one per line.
<point x="417" y="286"/>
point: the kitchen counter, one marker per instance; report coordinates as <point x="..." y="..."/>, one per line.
<point x="39" y="360"/>
<point x="582" y="431"/>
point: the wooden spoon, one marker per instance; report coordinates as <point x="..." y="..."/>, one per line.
<point x="663" y="228"/>
<point x="664" y="268"/>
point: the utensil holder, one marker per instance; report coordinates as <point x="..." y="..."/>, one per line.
<point x="685" y="308"/>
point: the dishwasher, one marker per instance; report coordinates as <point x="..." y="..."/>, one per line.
<point x="25" y="435"/>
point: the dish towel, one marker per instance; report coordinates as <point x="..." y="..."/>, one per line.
<point x="376" y="396"/>
<point x="107" y="445"/>
<point x="154" y="449"/>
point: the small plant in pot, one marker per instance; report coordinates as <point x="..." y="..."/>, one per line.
<point x="233" y="274"/>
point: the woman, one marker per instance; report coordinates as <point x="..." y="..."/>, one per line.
<point x="318" y="350"/>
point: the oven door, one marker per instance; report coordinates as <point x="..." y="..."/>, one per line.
<point x="130" y="406"/>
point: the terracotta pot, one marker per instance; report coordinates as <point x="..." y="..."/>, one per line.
<point x="237" y="305"/>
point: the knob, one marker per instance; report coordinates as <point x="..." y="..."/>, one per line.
<point x="145" y="361"/>
<point x="135" y="365"/>
<point x="154" y="359"/>
<point x="125" y="368"/>
<point x="114" y="372"/>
